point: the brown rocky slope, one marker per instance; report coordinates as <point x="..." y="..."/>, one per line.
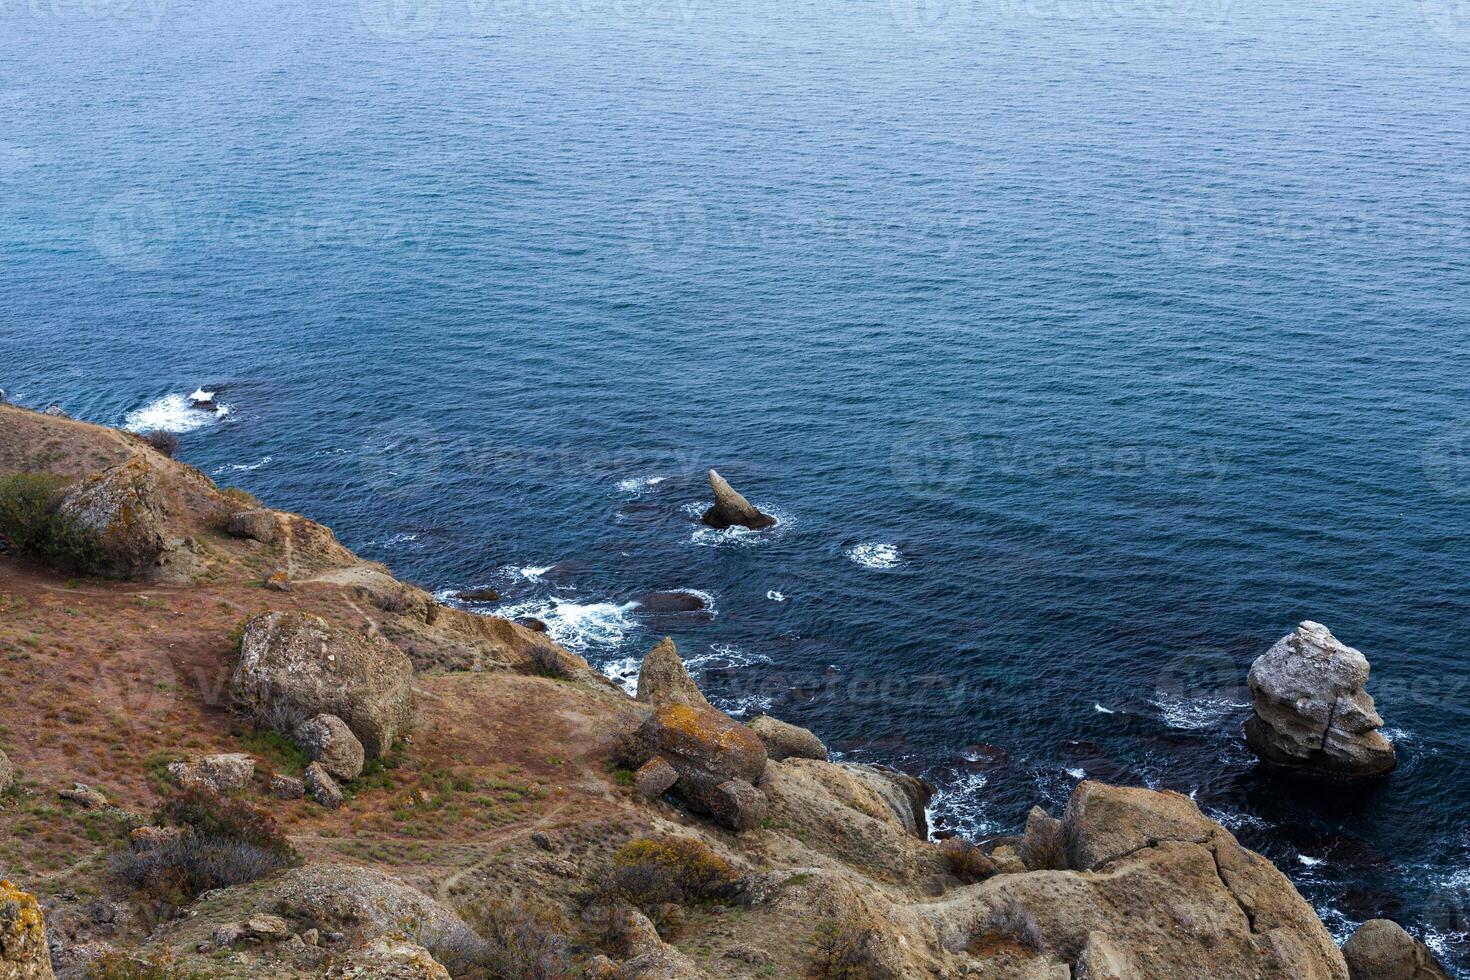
<point x="504" y="831"/>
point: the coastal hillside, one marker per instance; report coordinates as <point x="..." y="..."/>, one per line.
<point x="231" y="748"/>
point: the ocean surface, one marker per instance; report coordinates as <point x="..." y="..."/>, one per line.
<point x="1082" y="348"/>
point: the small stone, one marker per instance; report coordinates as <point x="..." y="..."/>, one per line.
<point x="655" y="778"/>
<point x="737" y="805"/>
<point x="311" y="937"/>
<point x="327" y="739"/>
<point x="541" y="840"/>
<point x="7" y="772"/>
<point x="222" y="773"/>
<point x="84" y="796"/>
<point x="151" y="838"/>
<point x="322" y="788"/>
<point x="287" y="788"/>
<point x="277" y="582"/>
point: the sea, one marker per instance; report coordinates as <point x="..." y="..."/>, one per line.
<point x="1081" y="347"/>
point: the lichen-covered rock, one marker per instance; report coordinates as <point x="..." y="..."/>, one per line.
<point x="389" y="959"/>
<point x="787" y="741"/>
<point x="1382" y="950"/>
<point x="23" y="951"/>
<point x="706" y="748"/>
<point x="84" y="796"/>
<point x="655" y="777"/>
<point x="294" y="667"/>
<point x="7" y="772"/>
<point x="322" y="788"/>
<point x="124" y="507"/>
<point x="328" y="740"/>
<point x="663" y="678"/>
<point x="731" y="509"/>
<point x="1312" y="708"/>
<point x="287" y="787"/>
<point x="222" y="773"/>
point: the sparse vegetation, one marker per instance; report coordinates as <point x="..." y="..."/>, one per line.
<point x="163" y="441"/>
<point x="116" y="966"/>
<point x="524" y="943"/>
<point x="653" y="873"/>
<point x="30" y="515"/>
<point x="222" y="842"/>
<point x="848" y="950"/>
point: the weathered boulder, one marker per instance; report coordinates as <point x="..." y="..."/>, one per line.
<point x="259" y="524"/>
<point x="328" y="740"/>
<point x="1043" y="846"/>
<point x="321" y="787"/>
<point x="287" y="787"/>
<point x="787" y="741"/>
<point x="1382" y="950"/>
<point x="663" y="678"/>
<point x="731" y="509"/>
<point x="706" y="749"/>
<point x="389" y="959"/>
<point x="84" y="796"/>
<point x="23" y="952"/>
<point x="736" y="804"/>
<point x="222" y="773"/>
<point x="7" y="772"/>
<point x="260" y="927"/>
<point x="672" y="602"/>
<point x="293" y="667"/>
<point x="124" y="507"/>
<point x="1103" y="823"/>
<point x="655" y="777"/>
<point x="1312" y="709"/>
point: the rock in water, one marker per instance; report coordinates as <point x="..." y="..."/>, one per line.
<point x="1312" y="711"/>
<point x="663" y="679"/>
<point x="732" y="509"/>
<point x="294" y="667"/>
<point x="1382" y="950"/>
<point x="23" y="951"/>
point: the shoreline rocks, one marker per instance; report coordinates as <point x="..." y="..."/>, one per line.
<point x="731" y="509"/>
<point x="1312" y="711"/>
<point x="1381" y="950"/>
<point x="663" y="678"/>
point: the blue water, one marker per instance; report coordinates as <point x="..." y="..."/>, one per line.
<point x="1083" y="348"/>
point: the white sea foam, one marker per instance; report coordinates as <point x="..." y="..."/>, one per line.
<point x="746" y="704"/>
<point x="172" y="413"/>
<point x="734" y="536"/>
<point x="1309" y="861"/>
<point x="1075" y="773"/>
<point x="725" y="656"/>
<point x="624" y="673"/>
<point x="200" y="395"/>
<point x="242" y="467"/>
<point x="637" y="484"/>
<point x="577" y="625"/>
<point x="531" y="573"/>
<point x="1233" y="820"/>
<point x="775" y="596"/>
<point x="960" y="807"/>
<point x="1101" y="710"/>
<point x="1197" y="714"/>
<point x="874" y="554"/>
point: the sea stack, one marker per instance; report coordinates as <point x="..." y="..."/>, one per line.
<point x="732" y="509"/>
<point x="1312" y="710"/>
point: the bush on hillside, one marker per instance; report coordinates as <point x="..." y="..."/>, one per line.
<point x="30" y="515"/>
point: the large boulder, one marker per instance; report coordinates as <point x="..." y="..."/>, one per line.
<point x="259" y="524"/>
<point x="389" y="959"/>
<point x="222" y="773"/>
<point x="731" y="509"/>
<point x="1382" y="950"/>
<point x="663" y="679"/>
<point x="707" y="750"/>
<point x="23" y="951"/>
<point x="124" y="507"/>
<point x="787" y="741"/>
<point x="328" y="740"/>
<point x="294" y="667"/>
<point x="1312" y="709"/>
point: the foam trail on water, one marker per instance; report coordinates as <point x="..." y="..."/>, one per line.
<point x="172" y="413"/>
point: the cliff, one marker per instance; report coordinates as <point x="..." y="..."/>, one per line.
<point x="503" y="810"/>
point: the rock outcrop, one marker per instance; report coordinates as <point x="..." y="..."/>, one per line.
<point x="23" y="951"/>
<point x="294" y="667"/>
<point x="222" y="773"/>
<point x="707" y="750"/>
<point x="787" y="741"/>
<point x="327" y="739"/>
<point x="1312" y="709"/>
<point x="389" y="959"/>
<point x="124" y="507"/>
<point x="731" y="509"/>
<point x="1382" y="950"/>
<point x="258" y="525"/>
<point x="663" y="678"/>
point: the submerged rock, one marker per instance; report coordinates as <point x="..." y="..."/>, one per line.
<point x="671" y="602"/>
<point x="731" y="509"/>
<point x="1312" y="709"/>
<point x="1382" y="950"/>
<point x="294" y="667"/>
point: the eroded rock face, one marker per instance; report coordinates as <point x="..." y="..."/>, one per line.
<point x="23" y="952"/>
<point x="124" y="507"/>
<point x="663" y="679"/>
<point x="327" y="739"/>
<point x="294" y="667"/>
<point x="1382" y="950"/>
<point x="731" y="509"/>
<point x="1312" y="709"/>
<point x="787" y="741"/>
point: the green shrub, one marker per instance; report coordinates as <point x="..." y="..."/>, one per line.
<point x="116" y="966"/>
<point x="523" y="943"/>
<point x="30" y="516"/>
<point x="651" y="873"/>
<point x="848" y="950"/>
